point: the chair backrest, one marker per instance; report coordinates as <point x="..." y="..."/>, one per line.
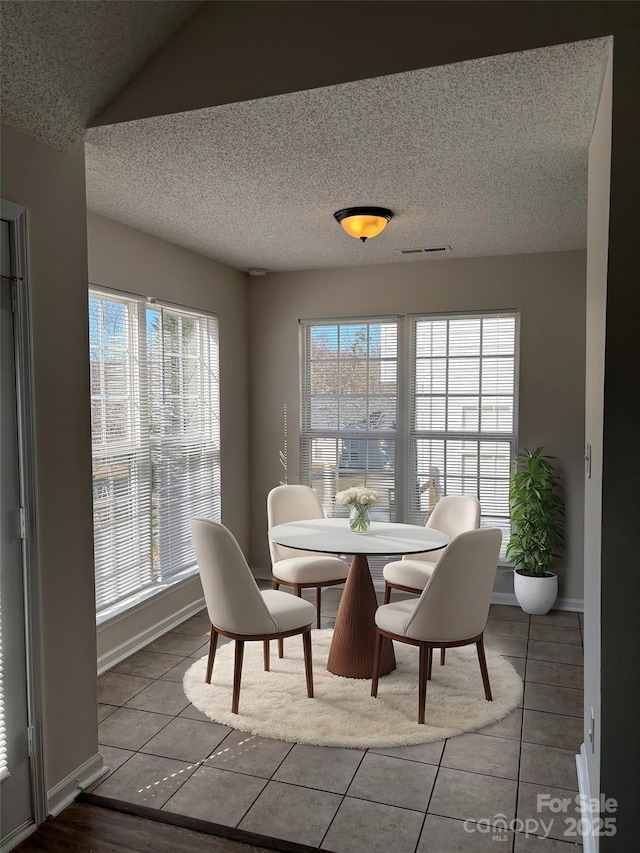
<point x="291" y="503"/>
<point x="453" y="514"/>
<point x="454" y="605"/>
<point x="231" y="593"/>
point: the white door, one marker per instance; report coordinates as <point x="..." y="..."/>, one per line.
<point x="15" y="772"/>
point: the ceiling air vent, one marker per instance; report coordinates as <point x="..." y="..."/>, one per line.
<point x="429" y="250"/>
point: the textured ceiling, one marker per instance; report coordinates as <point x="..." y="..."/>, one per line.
<point x="487" y="156"/>
<point x="62" y="62"/>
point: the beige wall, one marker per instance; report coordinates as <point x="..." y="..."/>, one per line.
<point x="51" y="186"/>
<point x="127" y="259"/>
<point x="547" y="289"/>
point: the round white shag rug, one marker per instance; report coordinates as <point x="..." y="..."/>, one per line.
<point x="275" y="704"/>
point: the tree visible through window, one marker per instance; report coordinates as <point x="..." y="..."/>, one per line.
<point x="443" y="423"/>
<point x="155" y="436"/>
<point x="350" y="409"/>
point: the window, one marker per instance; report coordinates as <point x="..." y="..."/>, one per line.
<point x="462" y="393"/>
<point x="155" y="427"/>
<point x="349" y="408"/>
<point x="444" y="425"/>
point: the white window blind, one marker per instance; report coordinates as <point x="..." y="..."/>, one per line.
<point x="463" y="397"/>
<point x="349" y="407"/>
<point x="155" y="424"/>
<point x="444" y="423"/>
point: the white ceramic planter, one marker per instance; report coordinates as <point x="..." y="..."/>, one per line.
<point x="535" y="595"/>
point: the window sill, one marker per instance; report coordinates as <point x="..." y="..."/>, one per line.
<point x="112" y="615"/>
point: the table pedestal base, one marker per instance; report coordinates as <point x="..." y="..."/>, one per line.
<point x="353" y="643"/>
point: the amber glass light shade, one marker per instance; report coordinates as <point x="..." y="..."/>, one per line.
<point x="363" y="222"/>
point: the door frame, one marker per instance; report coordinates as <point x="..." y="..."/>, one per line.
<point x="17" y="216"/>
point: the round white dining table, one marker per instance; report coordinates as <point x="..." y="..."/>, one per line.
<point x="352" y="646"/>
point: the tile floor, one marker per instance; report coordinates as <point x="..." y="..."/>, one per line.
<point x="164" y="753"/>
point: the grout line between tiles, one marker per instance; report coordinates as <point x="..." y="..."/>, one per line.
<point x="266" y="781"/>
<point x="551" y="684"/>
<point x="366" y="800"/>
<point x="433" y="787"/>
<point x="284" y="758"/>
<point x="344" y="796"/>
<point x="202" y="764"/>
<point x="111" y="772"/>
<point x="173" y="793"/>
<point x="558" y="662"/>
<point x="524" y="682"/>
<point x="372" y="750"/>
<point x="559" y="642"/>
<point x="478" y="773"/>
<point x="252" y="804"/>
<point x="136" y="751"/>
<point x="150" y="680"/>
<point x="555" y="713"/>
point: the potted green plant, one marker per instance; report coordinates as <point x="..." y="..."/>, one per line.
<point x="537" y="512"/>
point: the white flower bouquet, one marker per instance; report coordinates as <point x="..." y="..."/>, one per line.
<point x="359" y="495"/>
<point x="359" y="498"/>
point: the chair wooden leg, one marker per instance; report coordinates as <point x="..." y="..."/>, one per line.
<point x="442" y="651"/>
<point x="308" y="665"/>
<point x="267" y="652"/>
<point x="423" y="666"/>
<point x="483" y="669"/>
<point x="387" y="593"/>
<point x="318" y="605"/>
<point x="377" y="655"/>
<point x="276" y="585"/>
<point x="213" y="644"/>
<point x="298" y="591"/>
<point x="429" y="663"/>
<point x="237" y="675"/>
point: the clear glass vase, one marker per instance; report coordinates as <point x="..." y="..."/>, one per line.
<point x="359" y="520"/>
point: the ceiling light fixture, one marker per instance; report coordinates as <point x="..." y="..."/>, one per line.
<point x="363" y="222"/>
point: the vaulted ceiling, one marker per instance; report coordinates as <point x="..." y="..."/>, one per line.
<point x="63" y="62"/>
<point x="487" y="156"/>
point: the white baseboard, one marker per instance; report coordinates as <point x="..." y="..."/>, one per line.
<point x="65" y="792"/>
<point x="504" y="598"/>
<point x="574" y="604"/>
<point x="134" y="644"/>
<point x="589" y="840"/>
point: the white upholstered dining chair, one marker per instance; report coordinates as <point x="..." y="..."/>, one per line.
<point x="290" y="566"/>
<point x="238" y="609"/>
<point x="453" y="514"/>
<point x="452" y="609"/>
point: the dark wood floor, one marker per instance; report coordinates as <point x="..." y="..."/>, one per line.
<point x="87" y="828"/>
